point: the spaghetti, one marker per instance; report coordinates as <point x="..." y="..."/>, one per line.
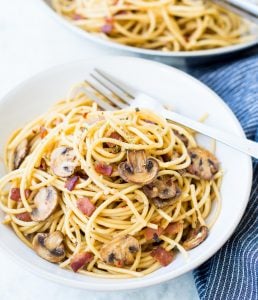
<point x="168" y="25"/>
<point x="109" y="194"/>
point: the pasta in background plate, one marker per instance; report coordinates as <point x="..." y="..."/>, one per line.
<point x="109" y="194"/>
<point x="168" y="25"/>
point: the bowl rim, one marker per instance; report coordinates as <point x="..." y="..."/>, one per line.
<point x="143" y="281"/>
<point x="141" y="51"/>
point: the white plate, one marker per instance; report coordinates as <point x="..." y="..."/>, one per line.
<point x="189" y="97"/>
<point x="177" y="58"/>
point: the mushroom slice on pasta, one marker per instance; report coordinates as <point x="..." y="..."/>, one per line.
<point x="63" y="161"/>
<point x="49" y="246"/>
<point x="138" y="168"/>
<point x="20" y="153"/>
<point x="46" y="201"/>
<point x="195" y="237"/>
<point x="203" y="163"/>
<point x="162" y="191"/>
<point x="120" y="252"/>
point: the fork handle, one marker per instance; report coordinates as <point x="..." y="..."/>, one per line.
<point x="239" y="143"/>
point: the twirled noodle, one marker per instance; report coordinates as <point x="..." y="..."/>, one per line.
<point x="121" y="208"/>
<point x="168" y="25"/>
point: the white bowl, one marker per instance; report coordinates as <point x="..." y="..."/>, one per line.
<point x="170" y="57"/>
<point x="189" y="97"/>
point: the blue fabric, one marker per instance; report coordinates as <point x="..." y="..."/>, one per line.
<point x="232" y="273"/>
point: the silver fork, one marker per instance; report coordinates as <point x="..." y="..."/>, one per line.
<point x="119" y="95"/>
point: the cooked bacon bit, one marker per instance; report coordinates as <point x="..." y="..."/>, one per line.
<point x="78" y="17"/>
<point x="187" y="37"/>
<point x="85" y="115"/>
<point x="173" y="228"/>
<point x="149" y="121"/>
<point x="85" y="206"/>
<point x="15" y="194"/>
<point x="116" y="136"/>
<point x="71" y="182"/>
<point x="43" y="165"/>
<point x="153" y="234"/>
<point x="120" y="264"/>
<point x="162" y="256"/>
<point x="24" y="217"/>
<point x="27" y="193"/>
<point x="103" y="169"/>
<point x="107" y="28"/>
<point x="82" y="174"/>
<point x="109" y="20"/>
<point x="42" y="132"/>
<point x="34" y="131"/>
<point x="166" y="157"/>
<point x="80" y="260"/>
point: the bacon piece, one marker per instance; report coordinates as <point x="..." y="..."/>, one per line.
<point x="82" y="174"/>
<point x="85" y="206"/>
<point x="27" y="193"/>
<point x="43" y="165"/>
<point x="166" y="157"/>
<point x="109" y="20"/>
<point x="71" y="182"/>
<point x="173" y="228"/>
<point x="149" y="121"/>
<point x="42" y="132"/>
<point x="15" y="194"/>
<point x="78" y="17"/>
<point x="153" y="234"/>
<point x="107" y="28"/>
<point x="24" y="217"/>
<point x="80" y="260"/>
<point x="162" y="256"/>
<point x="116" y="136"/>
<point x="103" y="169"/>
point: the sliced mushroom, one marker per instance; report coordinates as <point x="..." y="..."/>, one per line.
<point x="138" y="168"/>
<point x="63" y="161"/>
<point x="162" y="192"/>
<point x="49" y="246"/>
<point x="203" y="163"/>
<point x="161" y="203"/>
<point x="121" y="251"/>
<point x="163" y="188"/>
<point x="20" y="153"/>
<point x="195" y="237"/>
<point x="46" y="201"/>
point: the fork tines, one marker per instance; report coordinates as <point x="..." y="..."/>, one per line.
<point x="108" y="92"/>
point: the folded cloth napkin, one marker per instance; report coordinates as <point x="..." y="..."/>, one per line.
<point x="232" y="273"/>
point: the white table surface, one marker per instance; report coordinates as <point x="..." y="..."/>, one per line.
<point x="31" y="41"/>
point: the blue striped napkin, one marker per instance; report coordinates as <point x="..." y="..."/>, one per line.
<point x="232" y="273"/>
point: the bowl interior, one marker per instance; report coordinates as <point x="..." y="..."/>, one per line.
<point x="172" y="87"/>
<point x="177" y="58"/>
